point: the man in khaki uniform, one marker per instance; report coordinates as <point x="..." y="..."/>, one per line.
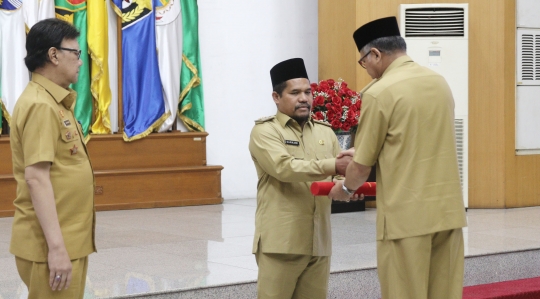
<point x="53" y="227"/>
<point x="406" y="128"/>
<point x="292" y="243"/>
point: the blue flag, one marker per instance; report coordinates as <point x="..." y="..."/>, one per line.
<point x="143" y="104"/>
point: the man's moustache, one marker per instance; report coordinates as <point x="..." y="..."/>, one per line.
<point x="302" y="106"/>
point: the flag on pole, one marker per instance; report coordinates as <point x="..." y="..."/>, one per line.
<point x="191" y="107"/>
<point x="37" y="10"/>
<point x="46" y="9"/>
<point x="99" y="53"/>
<point x="14" y="75"/>
<point x="169" y="45"/>
<point x="113" y="64"/>
<point x="142" y="94"/>
<point x="74" y="12"/>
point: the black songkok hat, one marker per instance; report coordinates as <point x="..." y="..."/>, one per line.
<point x="374" y="30"/>
<point x="286" y="70"/>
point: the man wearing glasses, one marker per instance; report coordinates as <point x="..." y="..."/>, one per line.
<point x="53" y="226"/>
<point x="406" y="128"/>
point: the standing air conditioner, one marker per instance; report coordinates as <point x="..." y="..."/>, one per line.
<point x="437" y="37"/>
<point x="527" y="90"/>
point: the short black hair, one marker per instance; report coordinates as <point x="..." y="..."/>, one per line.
<point x="279" y="88"/>
<point x="387" y="44"/>
<point x="44" y="35"/>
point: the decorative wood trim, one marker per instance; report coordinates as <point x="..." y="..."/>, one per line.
<point x="159" y="204"/>
<point x="121" y="172"/>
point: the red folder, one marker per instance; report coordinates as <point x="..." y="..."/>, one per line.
<point x="323" y="188"/>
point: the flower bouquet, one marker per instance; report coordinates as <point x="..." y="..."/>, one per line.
<point x="336" y="104"/>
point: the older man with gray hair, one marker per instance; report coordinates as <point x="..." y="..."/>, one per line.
<point x="406" y="129"/>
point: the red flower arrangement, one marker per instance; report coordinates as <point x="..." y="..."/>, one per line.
<point x="336" y="104"/>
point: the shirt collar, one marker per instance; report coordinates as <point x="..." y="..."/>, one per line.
<point x="397" y="63"/>
<point x="61" y="95"/>
<point x="283" y="119"/>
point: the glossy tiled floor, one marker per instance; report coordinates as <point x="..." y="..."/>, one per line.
<point x="178" y="248"/>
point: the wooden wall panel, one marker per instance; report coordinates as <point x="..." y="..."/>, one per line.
<point x="336" y="45"/>
<point x="161" y="170"/>
<point x="497" y="177"/>
<point x="487" y="88"/>
<point x="522" y="172"/>
<point x="524" y="187"/>
<point x="155" y="150"/>
<point x="153" y="188"/>
<point x="8" y="192"/>
<point x="5" y="152"/>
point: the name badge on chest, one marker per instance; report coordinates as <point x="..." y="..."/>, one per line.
<point x="292" y="142"/>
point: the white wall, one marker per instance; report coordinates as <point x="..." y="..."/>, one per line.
<point x="240" y="41"/>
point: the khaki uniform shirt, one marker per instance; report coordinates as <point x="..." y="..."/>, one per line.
<point x="407" y="128"/>
<point x="289" y="219"/>
<point x="44" y="129"/>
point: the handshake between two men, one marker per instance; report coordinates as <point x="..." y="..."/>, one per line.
<point x="346" y="167"/>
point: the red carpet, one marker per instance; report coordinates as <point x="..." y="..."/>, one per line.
<point x="515" y="289"/>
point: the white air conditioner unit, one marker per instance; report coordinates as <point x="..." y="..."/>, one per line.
<point x="527" y="90"/>
<point x="437" y="37"/>
<point x="528" y="56"/>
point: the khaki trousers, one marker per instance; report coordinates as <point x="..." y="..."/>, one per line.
<point x="36" y="277"/>
<point x="291" y="276"/>
<point x="423" y="267"/>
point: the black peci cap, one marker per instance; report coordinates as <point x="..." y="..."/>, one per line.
<point x="374" y="30"/>
<point x="287" y="70"/>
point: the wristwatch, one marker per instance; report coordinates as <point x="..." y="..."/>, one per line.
<point x="347" y="190"/>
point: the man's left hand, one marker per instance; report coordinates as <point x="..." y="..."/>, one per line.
<point x="338" y="194"/>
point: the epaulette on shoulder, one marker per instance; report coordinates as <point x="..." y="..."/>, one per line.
<point x="264" y="119"/>
<point x="322" y="123"/>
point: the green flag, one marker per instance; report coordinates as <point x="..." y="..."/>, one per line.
<point x="191" y="106"/>
<point x="74" y="12"/>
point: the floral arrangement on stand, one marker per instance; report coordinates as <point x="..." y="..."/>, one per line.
<point x="336" y="104"/>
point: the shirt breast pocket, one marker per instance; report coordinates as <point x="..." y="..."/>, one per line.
<point x="70" y="151"/>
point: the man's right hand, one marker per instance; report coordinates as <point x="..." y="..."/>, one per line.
<point x="60" y="269"/>
<point x="342" y="163"/>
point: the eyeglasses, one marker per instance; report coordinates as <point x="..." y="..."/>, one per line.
<point x="77" y="52"/>
<point x="361" y="62"/>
